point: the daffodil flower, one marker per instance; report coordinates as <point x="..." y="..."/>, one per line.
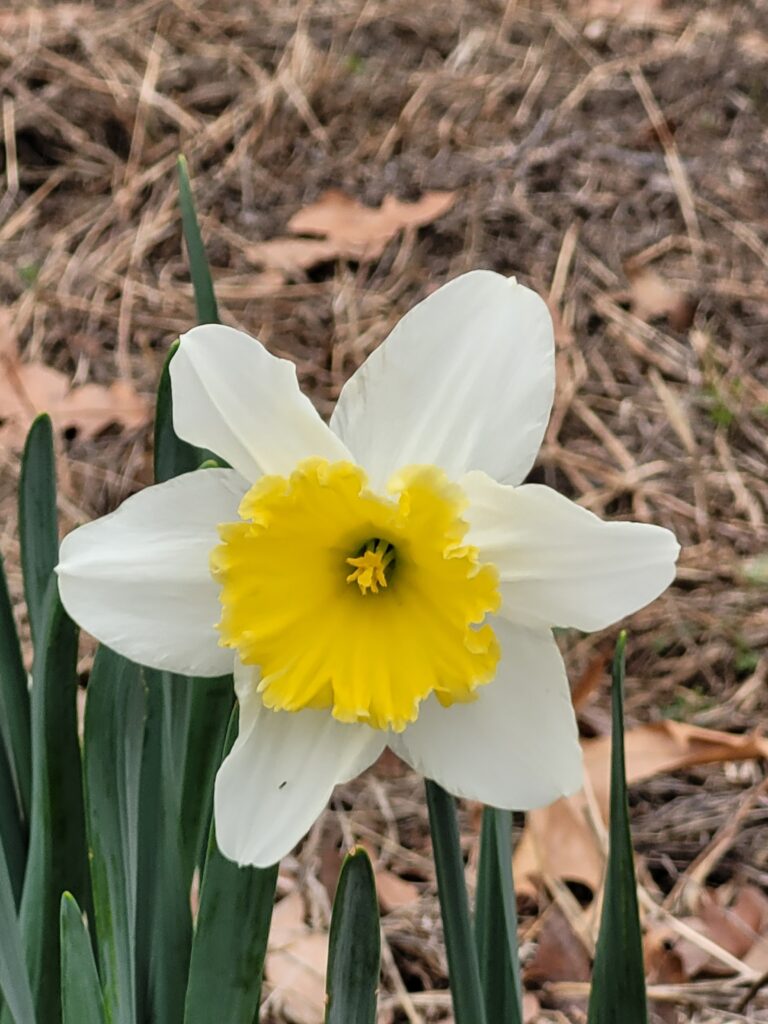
<point x="383" y="580"/>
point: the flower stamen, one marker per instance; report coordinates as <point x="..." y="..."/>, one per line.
<point x="370" y="566"/>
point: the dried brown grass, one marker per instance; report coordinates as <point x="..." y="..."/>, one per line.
<point x="589" y="143"/>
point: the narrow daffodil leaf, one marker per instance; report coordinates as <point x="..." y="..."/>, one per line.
<point x="230" y="942"/>
<point x="164" y="918"/>
<point x="13" y="837"/>
<point x="38" y="531"/>
<point x="14" y="983"/>
<point x="15" y="733"/>
<point x="201" y="707"/>
<point x="463" y="969"/>
<point x="354" y="950"/>
<point x="618" y="977"/>
<point x="209" y="706"/>
<point x="112" y="747"/>
<point x="172" y="455"/>
<point x="496" y="920"/>
<point x="81" y="999"/>
<point x="205" y="299"/>
<point x="57" y="858"/>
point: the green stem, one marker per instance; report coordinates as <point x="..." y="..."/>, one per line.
<point x="463" y="969"/>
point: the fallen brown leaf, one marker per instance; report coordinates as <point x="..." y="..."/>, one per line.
<point x="628" y="11"/>
<point x="739" y="927"/>
<point x="27" y="389"/>
<point x="290" y="254"/>
<point x="531" y="1008"/>
<point x="344" y="220"/>
<point x="394" y="891"/>
<point x="652" y="298"/>
<point x="296" y="962"/>
<point x="560" y="955"/>
<point x="560" y="841"/>
<point x="343" y="228"/>
<point x="668" y="746"/>
<point x="671" y="958"/>
<point x="590" y="679"/>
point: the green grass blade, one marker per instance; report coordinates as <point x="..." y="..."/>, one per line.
<point x="496" y="920"/>
<point x="113" y="744"/>
<point x="14" y="983"/>
<point x="463" y="969"/>
<point x="354" y="951"/>
<point x="38" y="531"/>
<point x="205" y="299"/>
<point x="164" y="918"/>
<point x="230" y="941"/>
<point x="81" y="999"/>
<point x="15" y="727"/>
<point x="57" y="852"/>
<point x="618" y="978"/>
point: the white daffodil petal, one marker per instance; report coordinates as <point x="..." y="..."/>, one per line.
<point x="464" y="381"/>
<point x="516" y="746"/>
<point x="280" y="774"/>
<point x="559" y="564"/>
<point x="139" y="581"/>
<point x="234" y="397"/>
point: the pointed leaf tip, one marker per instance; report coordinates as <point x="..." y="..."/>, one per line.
<point x="618" y="977"/>
<point x="354" y="950"/>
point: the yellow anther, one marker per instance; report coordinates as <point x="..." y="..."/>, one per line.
<point x="369" y="571"/>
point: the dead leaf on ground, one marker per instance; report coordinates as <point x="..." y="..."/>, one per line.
<point x="664" y="963"/>
<point x="590" y="679"/>
<point x="291" y="254"/>
<point x="27" y="389"/>
<point x="560" y="954"/>
<point x="560" y="841"/>
<point x="631" y="12"/>
<point x="343" y="228"/>
<point x="740" y="927"/>
<point x="531" y="1008"/>
<point x="394" y="891"/>
<point x="652" y="298"/>
<point x="296" y="962"/>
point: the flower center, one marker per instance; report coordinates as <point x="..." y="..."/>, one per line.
<point x="310" y="547"/>
<point x="370" y="566"/>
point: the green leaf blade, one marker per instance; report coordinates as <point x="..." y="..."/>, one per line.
<point x="230" y="943"/>
<point x="496" y="920"/>
<point x="14" y="982"/>
<point x="113" y="743"/>
<point x="57" y="851"/>
<point x="81" y="999"/>
<point x="618" y="977"/>
<point x="13" y="836"/>
<point x="205" y="299"/>
<point x="15" y="725"/>
<point x="354" y="950"/>
<point x="172" y="455"/>
<point x="164" y="917"/>
<point x="463" y="968"/>
<point x="38" y="531"/>
<point x="209" y="708"/>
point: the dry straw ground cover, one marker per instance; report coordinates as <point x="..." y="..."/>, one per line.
<point x="347" y="158"/>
